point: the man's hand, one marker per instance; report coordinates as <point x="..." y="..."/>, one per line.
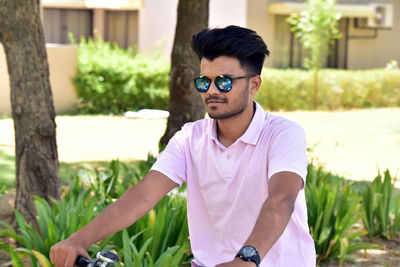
<point x="132" y="205"/>
<point x="237" y="262"/>
<point x="64" y="253"/>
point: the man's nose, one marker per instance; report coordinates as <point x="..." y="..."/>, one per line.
<point x="213" y="90"/>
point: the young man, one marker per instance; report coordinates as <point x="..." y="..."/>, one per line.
<point x="245" y="170"/>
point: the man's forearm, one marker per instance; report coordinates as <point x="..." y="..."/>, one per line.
<point x="272" y="221"/>
<point x="131" y="206"/>
<point x="114" y="218"/>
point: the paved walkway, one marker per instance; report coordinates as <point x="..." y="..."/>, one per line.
<point x="93" y="138"/>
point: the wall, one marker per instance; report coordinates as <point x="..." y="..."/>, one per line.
<point x="63" y="64"/>
<point x="5" y="102"/>
<point x="224" y="13"/>
<point x="375" y="52"/>
<point x="263" y="23"/>
<point x="157" y="21"/>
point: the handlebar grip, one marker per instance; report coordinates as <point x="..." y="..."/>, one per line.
<point x="82" y="261"/>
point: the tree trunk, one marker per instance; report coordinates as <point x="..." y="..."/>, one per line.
<point x="37" y="169"/>
<point x="185" y="103"/>
<point x="316" y="83"/>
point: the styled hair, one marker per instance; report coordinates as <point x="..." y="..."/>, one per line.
<point x="233" y="41"/>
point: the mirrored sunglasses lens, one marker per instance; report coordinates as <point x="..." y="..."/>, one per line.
<point x="223" y="83"/>
<point x="202" y="84"/>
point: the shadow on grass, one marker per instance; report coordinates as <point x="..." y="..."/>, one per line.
<point x="68" y="170"/>
<point x="7" y="169"/>
<point x="5" y="116"/>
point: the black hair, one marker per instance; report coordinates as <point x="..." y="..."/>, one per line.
<point x="234" y="41"/>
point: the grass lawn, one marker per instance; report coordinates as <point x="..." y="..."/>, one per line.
<point x="354" y="144"/>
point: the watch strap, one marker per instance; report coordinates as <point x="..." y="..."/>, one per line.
<point x="254" y="258"/>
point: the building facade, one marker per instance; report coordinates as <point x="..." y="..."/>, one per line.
<point x="370" y="28"/>
<point x="370" y="33"/>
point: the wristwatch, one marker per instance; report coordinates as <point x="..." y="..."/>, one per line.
<point x="249" y="253"/>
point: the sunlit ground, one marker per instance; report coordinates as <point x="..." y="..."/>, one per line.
<point x="354" y="144"/>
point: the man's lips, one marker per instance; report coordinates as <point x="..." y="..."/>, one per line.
<point x="215" y="101"/>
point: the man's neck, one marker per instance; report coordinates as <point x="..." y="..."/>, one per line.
<point x="229" y="130"/>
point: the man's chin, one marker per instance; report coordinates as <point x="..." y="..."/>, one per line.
<point x="218" y="116"/>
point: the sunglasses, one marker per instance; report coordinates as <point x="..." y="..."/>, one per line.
<point x="223" y="83"/>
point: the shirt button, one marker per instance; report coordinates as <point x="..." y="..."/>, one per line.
<point x="228" y="156"/>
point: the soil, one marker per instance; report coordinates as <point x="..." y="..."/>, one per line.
<point x="387" y="255"/>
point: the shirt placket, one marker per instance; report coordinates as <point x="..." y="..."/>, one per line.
<point x="226" y="159"/>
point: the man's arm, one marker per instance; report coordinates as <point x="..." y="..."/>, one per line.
<point x="274" y="216"/>
<point x="131" y="206"/>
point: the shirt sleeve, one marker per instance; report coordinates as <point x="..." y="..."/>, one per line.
<point x="171" y="162"/>
<point x="288" y="151"/>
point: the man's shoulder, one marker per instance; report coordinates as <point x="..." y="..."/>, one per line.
<point x="199" y="124"/>
<point x="279" y="123"/>
<point x="196" y="128"/>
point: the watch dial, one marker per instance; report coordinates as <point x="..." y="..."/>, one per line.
<point x="248" y="251"/>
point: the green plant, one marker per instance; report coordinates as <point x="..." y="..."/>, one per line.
<point x="114" y="80"/>
<point x="2" y="191"/>
<point x="132" y="256"/>
<point x="396" y="221"/>
<point x="159" y="239"/>
<point x="15" y="257"/>
<point x="143" y="167"/>
<point x="332" y="213"/>
<point x="291" y="89"/>
<point x="316" y="27"/>
<point x="105" y="184"/>
<point x="377" y="207"/>
<point x="55" y="222"/>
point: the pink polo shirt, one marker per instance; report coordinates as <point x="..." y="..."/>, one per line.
<point x="227" y="186"/>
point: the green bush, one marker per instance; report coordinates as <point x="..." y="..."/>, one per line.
<point x="158" y="239"/>
<point x="379" y="215"/>
<point x="114" y="80"/>
<point x="291" y="89"/>
<point x="333" y="208"/>
<point x="55" y="223"/>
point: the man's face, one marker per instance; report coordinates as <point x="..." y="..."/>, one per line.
<point x="226" y="105"/>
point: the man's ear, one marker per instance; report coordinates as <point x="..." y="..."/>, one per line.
<point x="254" y="85"/>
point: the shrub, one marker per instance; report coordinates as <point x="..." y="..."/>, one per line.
<point x="379" y="215"/>
<point x="158" y="239"/>
<point x="114" y="80"/>
<point x="332" y="207"/>
<point x="291" y="89"/>
<point x="55" y="223"/>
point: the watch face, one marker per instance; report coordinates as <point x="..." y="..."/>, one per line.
<point x="248" y="251"/>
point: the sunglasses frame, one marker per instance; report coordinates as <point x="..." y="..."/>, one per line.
<point x="216" y="83"/>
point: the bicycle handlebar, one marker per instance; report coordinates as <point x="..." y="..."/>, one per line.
<point x="104" y="258"/>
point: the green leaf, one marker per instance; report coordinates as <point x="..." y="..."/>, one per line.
<point x="126" y="248"/>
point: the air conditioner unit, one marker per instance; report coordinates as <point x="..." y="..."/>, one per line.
<point x="383" y="16"/>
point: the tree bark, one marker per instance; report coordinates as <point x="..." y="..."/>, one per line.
<point x="37" y="169"/>
<point x="185" y="103"/>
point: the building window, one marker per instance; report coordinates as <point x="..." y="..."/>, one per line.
<point x="121" y="27"/>
<point x="58" y="23"/>
<point x="289" y="52"/>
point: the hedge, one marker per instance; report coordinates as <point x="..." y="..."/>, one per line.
<point x="113" y="80"/>
<point x="338" y="89"/>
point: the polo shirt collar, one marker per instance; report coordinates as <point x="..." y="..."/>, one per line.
<point x="252" y="133"/>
